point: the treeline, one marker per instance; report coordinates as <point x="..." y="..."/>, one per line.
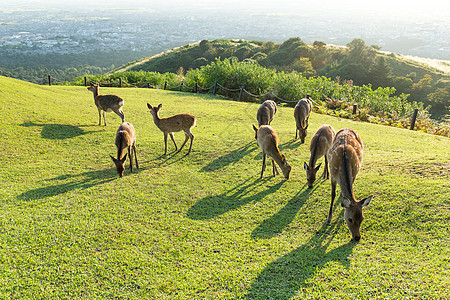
<point x="258" y="80"/>
<point x="358" y="62"/>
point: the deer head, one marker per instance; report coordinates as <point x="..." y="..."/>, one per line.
<point x="353" y="215"/>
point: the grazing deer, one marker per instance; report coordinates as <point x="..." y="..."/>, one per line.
<point x="125" y="139"/>
<point x="301" y="114"/>
<point x="266" y="112"/>
<point x="267" y="140"/>
<point x="345" y="158"/>
<point x="173" y="124"/>
<point x="320" y="143"/>
<point x="106" y="103"/>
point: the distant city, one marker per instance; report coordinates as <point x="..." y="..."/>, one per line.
<point x="151" y="32"/>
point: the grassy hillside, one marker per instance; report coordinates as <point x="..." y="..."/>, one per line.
<point x="204" y="226"/>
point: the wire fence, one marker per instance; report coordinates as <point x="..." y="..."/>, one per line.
<point x="216" y="87"/>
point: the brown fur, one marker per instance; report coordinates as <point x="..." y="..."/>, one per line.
<point x="173" y="124"/>
<point x="267" y="140"/>
<point x="125" y="139"/>
<point x="320" y="143"/>
<point x="301" y="114"/>
<point x="266" y="112"/>
<point x="107" y="103"/>
<point x="345" y="158"/>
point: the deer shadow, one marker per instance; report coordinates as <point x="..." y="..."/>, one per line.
<point x="75" y="182"/>
<point x="229" y="158"/>
<point x="57" y="131"/>
<point x="292" y="144"/>
<point x="216" y="205"/>
<point x="275" y="225"/>
<point x="282" y="278"/>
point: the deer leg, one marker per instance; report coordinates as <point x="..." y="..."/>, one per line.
<point x="173" y="140"/>
<point x="296" y="130"/>
<point x="274" y="167"/>
<point x="333" y="195"/>
<point x="326" y="173"/>
<point x="135" y="157"/>
<point x="131" y="158"/>
<point x="263" y="165"/>
<point x="99" y="116"/>
<point x="185" y="140"/>
<point x="192" y="140"/>
<point x="104" y="118"/>
<point x="165" y="143"/>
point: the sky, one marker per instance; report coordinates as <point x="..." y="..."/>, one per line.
<point x="382" y="8"/>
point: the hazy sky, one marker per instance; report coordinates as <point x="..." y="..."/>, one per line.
<point x="410" y="8"/>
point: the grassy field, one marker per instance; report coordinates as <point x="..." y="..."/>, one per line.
<point x="204" y="226"/>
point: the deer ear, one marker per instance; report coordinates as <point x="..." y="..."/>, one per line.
<point x="124" y="158"/>
<point x="364" y="202"/>
<point x="305" y="165"/>
<point x="159" y="106"/>
<point x="318" y="167"/>
<point x="149" y="106"/>
<point x="113" y="159"/>
<point x="345" y="202"/>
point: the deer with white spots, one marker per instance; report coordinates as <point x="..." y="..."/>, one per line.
<point x="267" y="140"/>
<point x="302" y="110"/>
<point x="107" y="103"/>
<point x="345" y="158"/>
<point x="125" y="139"/>
<point x="179" y="122"/>
<point x="320" y="144"/>
<point x="266" y="112"/>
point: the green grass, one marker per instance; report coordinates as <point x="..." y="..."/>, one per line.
<point x="204" y="226"/>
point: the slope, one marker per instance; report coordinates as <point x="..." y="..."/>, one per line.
<point x="204" y="225"/>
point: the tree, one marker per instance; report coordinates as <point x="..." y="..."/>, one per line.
<point x="379" y="73"/>
<point x="304" y="66"/>
<point x="441" y="97"/>
<point x="359" y="52"/>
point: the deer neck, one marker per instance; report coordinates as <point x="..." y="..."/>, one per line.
<point x="156" y="119"/>
<point x="278" y="159"/>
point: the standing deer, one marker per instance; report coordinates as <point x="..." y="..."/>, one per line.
<point x="320" y="143"/>
<point x="267" y="140"/>
<point x="173" y="124"/>
<point x="301" y="114"/>
<point x="125" y="139"/>
<point x="266" y="112"/>
<point x="106" y="103"/>
<point x="345" y="158"/>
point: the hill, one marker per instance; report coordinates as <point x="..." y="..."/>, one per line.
<point x="425" y="80"/>
<point x="204" y="225"/>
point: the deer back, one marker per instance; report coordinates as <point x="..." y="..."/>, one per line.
<point x="302" y="110"/>
<point x="320" y="144"/>
<point x="345" y="158"/>
<point x="108" y="102"/>
<point x="266" y="112"/>
<point x="177" y="122"/>
<point x="125" y="137"/>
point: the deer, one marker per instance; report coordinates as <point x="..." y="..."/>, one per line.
<point x="345" y="158"/>
<point x="267" y="140"/>
<point x="266" y="112"/>
<point x="106" y="103"/>
<point x="302" y="111"/>
<point x="320" y="144"/>
<point x="125" y="139"/>
<point x="179" y="122"/>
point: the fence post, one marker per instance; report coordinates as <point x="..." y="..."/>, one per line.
<point x="413" y="120"/>
<point x="355" y="107"/>
<point x="148" y="85"/>
<point x="195" y="87"/>
<point x="85" y="81"/>
<point x="165" y="85"/>
<point x="240" y="93"/>
<point x="49" y="79"/>
<point x="120" y="82"/>
<point x="215" y="88"/>
<point x="181" y="86"/>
